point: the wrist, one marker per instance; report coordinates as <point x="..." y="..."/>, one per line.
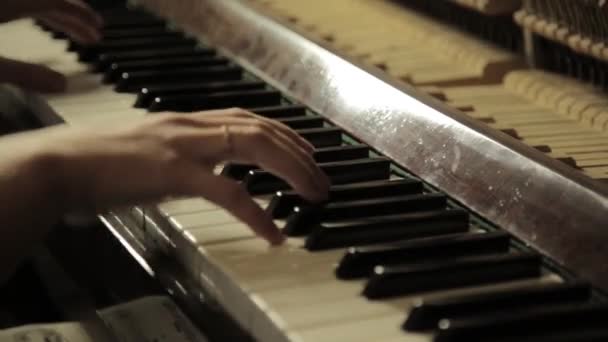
<point x="47" y="171"/>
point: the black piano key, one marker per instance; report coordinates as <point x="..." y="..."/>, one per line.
<point x="426" y="314"/>
<point x="263" y="182"/>
<point x="104" y="60"/>
<point x="568" y="318"/>
<point x="191" y="103"/>
<point x="321" y="137"/>
<point x="147" y="94"/>
<point x="302" y="122"/>
<point x="115" y="21"/>
<point x="166" y="35"/>
<point x="382" y="229"/>
<point x="117" y="69"/>
<point x="587" y="335"/>
<point x="90" y="52"/>
<point x="282" y="111"/>
<point x="135" y="81"/>
<point x="322" y="155"/>
<point x="392" y="281"/>
<point x="303" y="219"/>
<point x="148" y="31"/>
<point x="338" y="153"/>
<point x="360" y="261"/>
<point x="284" y="201"/>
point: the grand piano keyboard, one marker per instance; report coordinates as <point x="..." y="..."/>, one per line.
<point x="387" y="258"/>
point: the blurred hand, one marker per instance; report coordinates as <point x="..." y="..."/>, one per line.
<point x="171" y="154"/>
<point x="72" y="17"/>
<point x="31" y="76"/>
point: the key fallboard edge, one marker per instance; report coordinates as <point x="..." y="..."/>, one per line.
<point x="556" y="210"/>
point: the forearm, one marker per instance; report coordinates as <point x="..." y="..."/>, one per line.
<point x="29" y="203"/>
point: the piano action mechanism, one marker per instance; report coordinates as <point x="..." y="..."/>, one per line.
<point x="440" y="226"/>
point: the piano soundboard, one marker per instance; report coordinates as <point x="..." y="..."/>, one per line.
<point x="438" y="228"/>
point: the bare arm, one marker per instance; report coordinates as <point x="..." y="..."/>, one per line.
<point x="47" y="173"/>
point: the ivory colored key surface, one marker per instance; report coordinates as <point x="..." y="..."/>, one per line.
<point x="297" y="289"/>
<point x="87" y="100"/>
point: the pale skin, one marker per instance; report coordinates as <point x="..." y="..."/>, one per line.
<point x="47" y="173"/>
<point x="72" y="17"/>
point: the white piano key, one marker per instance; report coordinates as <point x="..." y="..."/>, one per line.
<point x="379" y="328"/>
<point x="201" y="219"/>
<point x="87" y="100"/>
<point x="185" y="206"/>
<point x="219" y="234"/>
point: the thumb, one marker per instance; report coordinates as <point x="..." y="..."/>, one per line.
<point x="31" y="76"/>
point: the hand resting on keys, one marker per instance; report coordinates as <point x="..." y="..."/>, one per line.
<point x="47" y="173"/>
<point x="72" y="17"/>
<point x="31" y="76"/>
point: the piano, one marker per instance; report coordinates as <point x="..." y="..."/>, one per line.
<point x="466" y="141"/>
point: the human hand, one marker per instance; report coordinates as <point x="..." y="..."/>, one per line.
<point x="73" y="17"/>
<point x="31" y="76"/>
<point x="171" y="154"/>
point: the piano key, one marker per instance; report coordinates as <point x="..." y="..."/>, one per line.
<point x="106" y="59"/>
<point x="337" y="153"/>
<point x="382" y="229"/>
<point x="117" y="69"/>
<point x="185" y="206"/>
<point x="303" y="219"/>
<point x="135" y="81"/>
<point x="148" y="31"/>
<point x="283" y="111"/>
<point x="302" y="122"/>
<point x="263" y="182"/>
<point x="284" y="201"/>
<point x="564" y="318"/>
<point x="147" y="94"/>
<point x="163" y="35"/>
<point x="321" y="137"/>
<point x="459" y="272"/>
<point x="426" y="314"/>
<point x="191" y="103"/>
<point x="89" y="53"/>
<point x="321" y="155"/>
<point x="587" y="335"/>
<point x="360" y="261"/>
<point x="130" y="20"/>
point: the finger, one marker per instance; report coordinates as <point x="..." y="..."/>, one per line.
<point x="78" y="9"/>
<point x="261" y="147"/>
<point x="286" y="134"/>
<point x="31" y="76"/>
<point x="82" y="32"/>
<point x="247" y="143"/>
<point x="287" y="138"/>
<point x="284" y="129"/>
<point x="188" y="140"/>
<point x="232" y="197"/>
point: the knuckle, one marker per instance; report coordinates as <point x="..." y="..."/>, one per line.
<point x="237" y="111"/>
